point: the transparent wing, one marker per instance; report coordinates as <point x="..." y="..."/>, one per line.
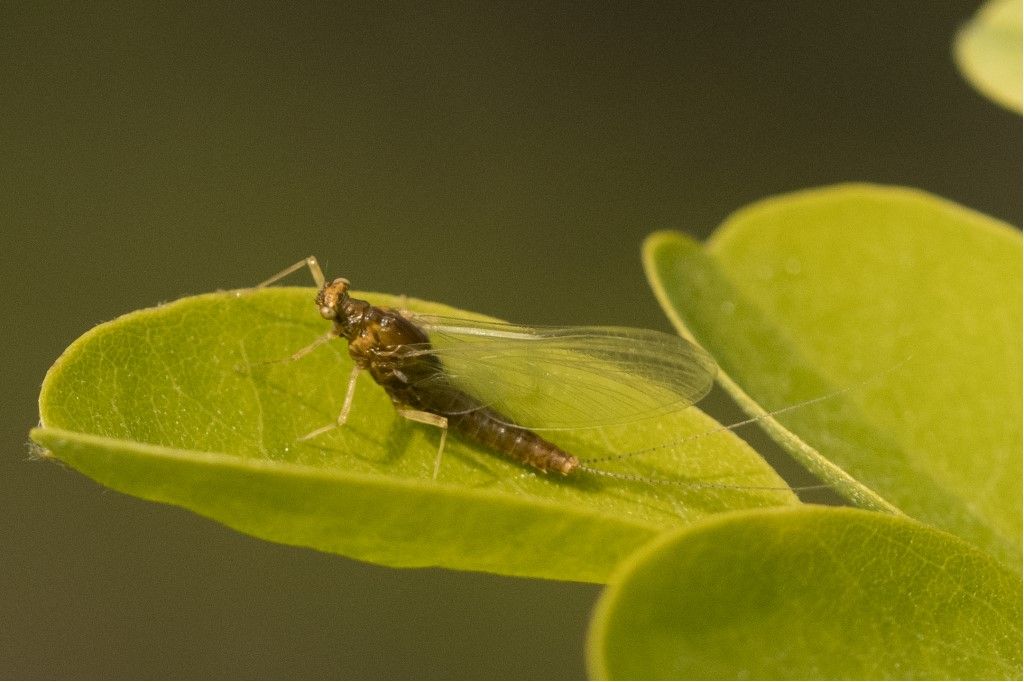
<point x="550" y="378"/>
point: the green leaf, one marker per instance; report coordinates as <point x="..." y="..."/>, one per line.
<point x="189" y="404"/>
<point x="988" y="52"/>
<point x="809" y="593"/>
<point x="910" y="305"/>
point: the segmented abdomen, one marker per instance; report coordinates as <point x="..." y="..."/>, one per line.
<point x="411" y="379"/>
<point x="488" y="428"/>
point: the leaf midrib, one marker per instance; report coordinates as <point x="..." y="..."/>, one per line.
<point x="305" y="471"/>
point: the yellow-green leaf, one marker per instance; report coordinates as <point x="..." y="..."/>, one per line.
<point x="909" y="304"/>
<point x="809" y="593"/>
<point x="190" y="404"/>
<point x="988" y="51"/>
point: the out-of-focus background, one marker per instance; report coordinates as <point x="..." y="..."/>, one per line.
<point x="505" y="158"/>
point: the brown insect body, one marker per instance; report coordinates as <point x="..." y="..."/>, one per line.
<point x="390" y="347"/>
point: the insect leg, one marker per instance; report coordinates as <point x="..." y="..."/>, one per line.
<point x="346" y="406"/>
<point x="303" y="352"/>
<point x="310" y="262"/>
<point x="430" y="419"/>
<point x="349" y="394"/>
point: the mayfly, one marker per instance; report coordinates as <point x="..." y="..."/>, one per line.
<point x="500" y="384"/>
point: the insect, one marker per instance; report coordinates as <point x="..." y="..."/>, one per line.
<point x="500" y="384"/>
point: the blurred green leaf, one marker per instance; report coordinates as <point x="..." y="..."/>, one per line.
<point x="188" y="404"/>
<point x="910" y="305"/>
<point x="809" y="593"/>
<point x="988" y="52"/>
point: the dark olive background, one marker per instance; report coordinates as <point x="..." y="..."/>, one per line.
<point x="504" y="158"/>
